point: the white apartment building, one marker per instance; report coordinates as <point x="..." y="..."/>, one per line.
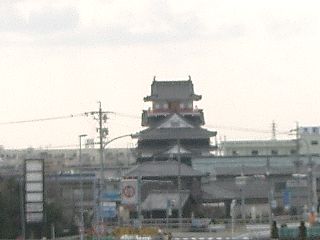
<point x="308" y="143"/>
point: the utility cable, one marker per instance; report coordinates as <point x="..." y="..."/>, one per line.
<point x="43" y="119"/>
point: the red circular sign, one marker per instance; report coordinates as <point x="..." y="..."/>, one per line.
<point x="128" y="191"/>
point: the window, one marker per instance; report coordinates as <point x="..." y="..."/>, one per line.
<point x="279" y="186"/>
<point x="274" y="152"/>
<point x="314" y="142"/>
<point x="254" y="152"/>
<point x="234" y="153"/>
<point x="292" y="151"/>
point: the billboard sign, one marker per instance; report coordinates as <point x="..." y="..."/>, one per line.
<point x="311" y="130"/>
<point x="286" y="198"/>
<point x="34" y="207"/>
<point x="109" y="209"/>
<point x="34" y="216"/>
<point x="111" y="196"/>
<point x="129" y="191"/>
<point x="297" y="183"/>
<point x="241" y="180"/>
<point x="34" y="186"/>
<point x="34" y="190"/>
<point x="34" y="197"/>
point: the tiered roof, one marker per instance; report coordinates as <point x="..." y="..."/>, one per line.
<point x="172" y="90"/>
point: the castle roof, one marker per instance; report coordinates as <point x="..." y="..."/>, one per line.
<point x="175" y="127"/>
<point x="172" y="90"/>
<point x="162" y="169"/>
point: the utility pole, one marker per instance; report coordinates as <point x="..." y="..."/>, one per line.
<point x="270" y="189"/>
<point x="274" y="134"/>
<point x="22" y="212"/>
<point x="297" y="161"/>
<point x="297" y="140"/>
<point x="101" y="117"/>
<point x="81" y="188"/>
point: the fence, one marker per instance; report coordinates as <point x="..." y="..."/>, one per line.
<point x="292" y="233"/>
<point x="186" y="223"/>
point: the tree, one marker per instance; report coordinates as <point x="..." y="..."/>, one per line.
<point x="10" y="224"/>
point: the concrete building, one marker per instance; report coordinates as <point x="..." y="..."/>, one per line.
<point x="308" y="143"/>
<point x="65" y="160"/>
<point x="270" y="178"/>
<point x="309" y="140"/>
<point x="259" y="147"/>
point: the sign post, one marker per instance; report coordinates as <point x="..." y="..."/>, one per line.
<point x="34" y="191"/>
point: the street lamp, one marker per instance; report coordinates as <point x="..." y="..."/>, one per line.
<point x="81" y="189"/>
<point x="241" y="181"/>
<point x="101" y="185"/>
<point x="232" y="213"/>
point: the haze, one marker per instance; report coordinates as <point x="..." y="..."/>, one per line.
<point x="252" y="61"/>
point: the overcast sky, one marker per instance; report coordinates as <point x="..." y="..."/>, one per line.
<point x="252" y="61"/>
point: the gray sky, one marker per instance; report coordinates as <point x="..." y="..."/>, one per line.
<point x="252" y="61"/>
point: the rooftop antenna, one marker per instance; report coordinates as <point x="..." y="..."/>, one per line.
<point x="273" y="137"/>
<point x="154" y="78"/>
<point x="189" y="77"/>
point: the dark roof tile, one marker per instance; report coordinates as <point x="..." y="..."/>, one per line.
<point x="162" y="169"/>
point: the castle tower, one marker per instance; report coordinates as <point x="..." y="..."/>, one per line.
<point x="173" y="116"/>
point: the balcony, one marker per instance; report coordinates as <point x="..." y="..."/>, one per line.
<point x="165" y="112"/>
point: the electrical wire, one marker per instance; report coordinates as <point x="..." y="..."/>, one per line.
<point x="244" y="129"/>
<point x="232" y="128"/>
<point x="43" y="119"/>
<point x="127" y="115"/>
<point x="120" y="114"/>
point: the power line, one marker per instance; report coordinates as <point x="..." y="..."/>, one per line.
<point x="128" y="115"/>
<point x="43" y="119"/>
<point x="233" y="128"/>
<point x="244" y="129"/>
<point x="120" y="114"/>
<point x="72" y="146"/>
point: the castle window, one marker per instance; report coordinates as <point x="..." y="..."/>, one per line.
<point x="254" y="152"/>
<point x="315" y="130"/>
<point x="274" y="152"/>
<point x="234" y="153"/>
<point x="314" y="142"/>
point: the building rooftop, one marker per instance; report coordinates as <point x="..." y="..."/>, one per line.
<point x="175" y="133"/>
<point x="157" y="200"/>
<point x="162" y="169"/>
<point x="172" y="90"/>
<point x="218" y="190"/>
